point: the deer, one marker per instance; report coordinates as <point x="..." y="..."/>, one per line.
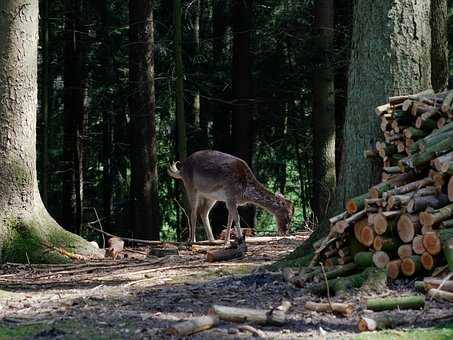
<point x="210" y="176"/>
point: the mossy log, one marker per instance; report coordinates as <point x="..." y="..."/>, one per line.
<point x="364" y="259"/>
<point x="356" y="203"/>
<point x="376" y="191"/>
<point x="421" y="203"/>
<point x="414" y="133"/>
<point x="389" y="245"/>
<point x="391" y="303"/>
<point x="430" y="218"/>
<point x="425" y="124"/>
<point x="339" y="271"/>
<point x="412" y="186"/>
<point x="430" y="152"/>
<point x="411" y="265"/>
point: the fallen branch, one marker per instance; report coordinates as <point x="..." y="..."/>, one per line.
<point x="344" y="309"/>
<point x="194" y="325"/>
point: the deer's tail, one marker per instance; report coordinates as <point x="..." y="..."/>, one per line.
<point x="173" y="170"/>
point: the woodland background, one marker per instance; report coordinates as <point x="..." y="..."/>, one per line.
<point x="264" y="80"/>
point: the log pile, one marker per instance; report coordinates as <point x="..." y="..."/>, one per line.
<point x="404" y="224"/>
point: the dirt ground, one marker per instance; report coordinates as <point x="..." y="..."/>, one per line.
<point x="139" y="297"/>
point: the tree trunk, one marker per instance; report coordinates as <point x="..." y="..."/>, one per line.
<point x="27" y="231"/>
<point x="242" y="133"/>
<point x="439" y="44"/>
<point x="44" y="149"/>
<point x="221" y="116"/>
<point x="75" y="87"/>
<point x="144" y="194"/>
<point x="323" y="109"/>
<point x="180" y="118"/>
<point x="394" y="64"/>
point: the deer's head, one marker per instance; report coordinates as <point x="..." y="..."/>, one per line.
<point x="284" y="213"/>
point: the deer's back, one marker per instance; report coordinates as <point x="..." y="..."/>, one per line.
<point x="215" y="171"/>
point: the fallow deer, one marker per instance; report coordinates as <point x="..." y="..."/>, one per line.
<point x="210" y="176"/>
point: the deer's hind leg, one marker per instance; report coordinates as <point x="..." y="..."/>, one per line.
<point x="205" y="207"/>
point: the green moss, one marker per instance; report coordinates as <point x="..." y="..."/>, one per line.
<point x="435" y="333"/>
<point x="22" y="176"/>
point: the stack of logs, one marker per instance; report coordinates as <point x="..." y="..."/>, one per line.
<point x="405" y="223"/>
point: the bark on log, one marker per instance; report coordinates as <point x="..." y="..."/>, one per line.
<point x="411" y="265"/>
<point x="344" y="309"/>
<point x="341" y="226"/>
<point x="431" y="218"/>
<point x="409" y="187"/>
<point x="338" y="218"/>
<point x="356" y="203"/>
<point x="339" y="271"/>
<point x="447" y="168"/>
<point x="375" y="322"/>
<point x="194" y="325"/>
<point x="448" y="253"/>
<point x="259" y="316"/>
<point x="441" y="295"/>
<point x="405" y="302"/>
<point x="440" y="162"/>
<point x="421" y="203"/>
<point x="364" y="259"/>
<point x="431" y="282"/>
<point x="226" y="254"/>
<point x="450" y="189"/>
<point x="446" y="224"/>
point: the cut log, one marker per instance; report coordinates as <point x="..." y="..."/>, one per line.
<point x="404" y="302"/>
<point x="380" y="259"/>
<point x="431" y="282"/>
<point x="408" y="226"/>
<point x="381" y="221"/>
<point x="427" y="261"/>
<point x="421" y="203"/>
<point x="440" y="162"/>
<point x="357" y="203"/>
<point x="375" y="322"/>
<point x="259" y="316"/>
<point x="341" y="226"/>
<point x="377" y="190"/>
<point x="441" y="295"/>
<point x="432" y="243"/>
<point x="386" y="244"/>
<point x="409" y="187"/>
<point x="414" y="133"/>
<point x="393" y="269"/>
<point x="447" y="102"/>
<point x="417" y="245"/>
<point x="194" y="325"/>
<point x="430" y="218"/>
<point x="344" y="309"/>
<point x="363" y="259"/>
<point x="411" y="265"/>
<point x="397" y="201"/>
<point x="366" y="236"/>
<point x="404" y="251"/>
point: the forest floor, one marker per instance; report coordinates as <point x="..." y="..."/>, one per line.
<point x="139" y="297"/>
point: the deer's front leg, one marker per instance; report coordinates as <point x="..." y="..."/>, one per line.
<point x="193" y="218"/>
<point x="229" y="223"/>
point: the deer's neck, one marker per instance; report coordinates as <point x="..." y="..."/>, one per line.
<point x="256" y="193"/>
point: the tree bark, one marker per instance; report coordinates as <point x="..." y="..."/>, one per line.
<point x="323" y="109"/>
<point x="243" y="127"/>
<point x="75" y="96"/>
<point x="144" y="195"/>
<point x="401" y="62"/>
<point x="439" y="44"/>
<point x="26" y="228"/>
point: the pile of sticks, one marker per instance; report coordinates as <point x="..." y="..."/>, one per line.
<point x="403" y="225"/>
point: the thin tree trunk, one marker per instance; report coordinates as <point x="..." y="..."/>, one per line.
<point x="323" y="109"/>
<point x="28" y="233"/>
<point x="180" y="117"/>
<point x="439" y="44"/>
<point x="144" y="186"/>
<point x="242" y="131"/>
<point x="74" y="115"/>
<point x="394" y="64"/>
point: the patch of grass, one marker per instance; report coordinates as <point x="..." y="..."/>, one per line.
<point x="443" y="332"/>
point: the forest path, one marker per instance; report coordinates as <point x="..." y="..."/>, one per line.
<point x="140" y="297"/>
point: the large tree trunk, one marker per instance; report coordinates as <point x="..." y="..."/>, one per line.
<point x="27" y="232"/>
<point x="144" y="195"/>
<point x="74" y="115"/>
<point x="44" y="121"/>
<point x="439" y="46"/>
<point x="221" y="115"/>
<point x="323" y="109"/>
<point x="397" y="62"/>
<point x="242" y="133"/>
